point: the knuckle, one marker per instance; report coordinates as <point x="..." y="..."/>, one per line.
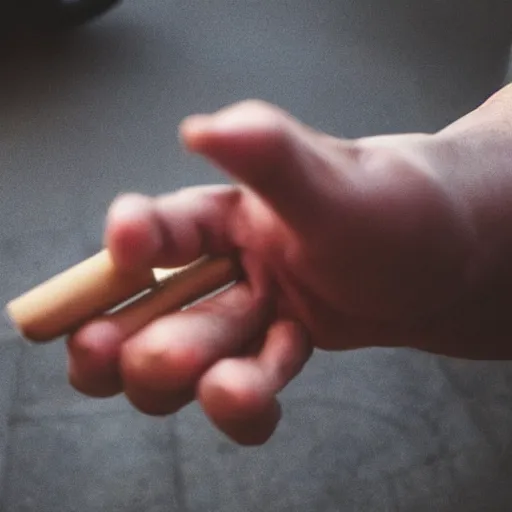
<point x="236" y="397"/>
<point x="379" y="160"/>
<point x="157" y="361"/>
<point x="94" y="386"/>
<point x="79" y="345"/>
<point x="256" y="104"/>
<point x="94" y="389"/>
<point x="83" y="387"/>
<point x="147" y="405"/>
<point x="153" y="403"/>
<point x="265" y="114"/>
<point x="128" y="198"/>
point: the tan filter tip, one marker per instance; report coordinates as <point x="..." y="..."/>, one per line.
<point x="67" y="300"/>
<point x="95" y="287"/>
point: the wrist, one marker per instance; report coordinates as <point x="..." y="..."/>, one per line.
<point x="473" y="156"/>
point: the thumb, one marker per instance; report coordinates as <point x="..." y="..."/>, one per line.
<point x="285" y="163"/>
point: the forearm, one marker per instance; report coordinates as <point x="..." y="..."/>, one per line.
<point x="474" y="157"/>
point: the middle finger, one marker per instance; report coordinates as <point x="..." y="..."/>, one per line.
<point x="168" y="357"/>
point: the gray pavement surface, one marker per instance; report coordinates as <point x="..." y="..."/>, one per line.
<point x="95" y="114"/>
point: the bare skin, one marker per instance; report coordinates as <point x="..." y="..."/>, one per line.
<point x="385" y="241"/>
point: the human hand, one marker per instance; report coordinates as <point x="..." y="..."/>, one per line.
<point x="344" y="244"/>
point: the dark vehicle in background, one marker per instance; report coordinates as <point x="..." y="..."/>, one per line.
<point x="50" y="15"/>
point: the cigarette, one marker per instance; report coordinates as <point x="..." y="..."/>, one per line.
<point x="96" y="286"/>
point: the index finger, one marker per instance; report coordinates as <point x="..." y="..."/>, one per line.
<point x="170" y="230"/>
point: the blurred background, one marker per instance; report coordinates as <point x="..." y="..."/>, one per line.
<point x="93" y="113"/>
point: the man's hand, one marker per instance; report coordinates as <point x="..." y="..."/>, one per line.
<point x="345" y="244"/>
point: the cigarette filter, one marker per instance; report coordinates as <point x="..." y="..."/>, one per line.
<point x="95" y="286"/>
